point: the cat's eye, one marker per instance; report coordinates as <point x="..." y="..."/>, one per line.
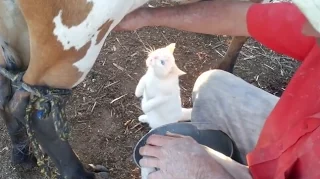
<point x="162" y="62"/>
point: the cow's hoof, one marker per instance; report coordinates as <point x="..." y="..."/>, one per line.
<point x="22" y="158"/>
<point x="101" y="172"/>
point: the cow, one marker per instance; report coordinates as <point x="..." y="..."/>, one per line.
<point x="48" y="47"/>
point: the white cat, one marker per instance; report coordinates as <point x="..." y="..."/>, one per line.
<point x="160" y="91"/>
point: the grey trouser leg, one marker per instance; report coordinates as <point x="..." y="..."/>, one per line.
<point x="222" y="101"/>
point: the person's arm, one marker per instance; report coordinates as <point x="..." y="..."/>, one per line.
<point x="226" y="17"/>
<point x="276" y="25"/>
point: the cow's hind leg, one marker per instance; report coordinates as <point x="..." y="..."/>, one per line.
<point x="229" y="60"/>
<point x="43" y="128"/>
<point x="12" y="107"/>
<point x="52" y="66"/>
<point x="21" y="154"/>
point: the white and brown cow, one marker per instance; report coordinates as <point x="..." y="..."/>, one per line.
<point x="56" y="43"/>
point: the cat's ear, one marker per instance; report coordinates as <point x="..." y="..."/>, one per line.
<point x="177" y="71"/>
<point x="171" y="47"/>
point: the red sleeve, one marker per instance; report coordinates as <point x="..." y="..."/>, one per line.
<point x="278" y="26"/>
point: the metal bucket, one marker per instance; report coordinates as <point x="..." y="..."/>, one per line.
<point x="214" y="139"/>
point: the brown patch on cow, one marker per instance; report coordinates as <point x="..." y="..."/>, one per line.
<point x="64" y="68"/>
<point x="50" y="64"/>
<point x="103" y="30"/>
<point x="76" y="15"/>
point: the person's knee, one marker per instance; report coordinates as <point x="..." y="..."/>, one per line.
<point x="208" y="80"/>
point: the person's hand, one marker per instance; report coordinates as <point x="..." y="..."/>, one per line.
<point x="134" y="20"/>
<point x="178" y="157"/>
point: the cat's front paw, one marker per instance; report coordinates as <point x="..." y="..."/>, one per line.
<point x="138" y="94"/>
<point x="146" y="171"/>
<point x="143" y="118"/>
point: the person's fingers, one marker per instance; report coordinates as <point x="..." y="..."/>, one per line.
<point x="159" y="140"/>
<point x="134" y="20"/>
<point x="149" y="162"/>
<point x="152" y="151"/>
<point x="170" y="134"/>
<point x="189" y="138"/>
<point x="126" y="24"/>
<point x="156" y="175"/>
<point x="117" y="28"/>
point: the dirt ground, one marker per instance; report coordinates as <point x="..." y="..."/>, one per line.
<point x="103" y="110"/>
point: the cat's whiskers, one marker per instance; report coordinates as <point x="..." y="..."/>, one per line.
<point x="149" y="50"/>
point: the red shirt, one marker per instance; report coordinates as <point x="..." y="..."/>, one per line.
<point x="289" y="144"/>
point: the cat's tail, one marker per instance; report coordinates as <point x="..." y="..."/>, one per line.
<point x="186" y="114"/>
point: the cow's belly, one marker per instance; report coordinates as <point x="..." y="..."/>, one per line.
<point x="103" y="11"/>
<point x="62" y="67"/>
<point x="67" y="53"/>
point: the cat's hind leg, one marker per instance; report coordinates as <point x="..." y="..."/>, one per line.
<point x="186" y="115"/>
<point x="143" y="118"/>
<point x="146" y="171"/>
